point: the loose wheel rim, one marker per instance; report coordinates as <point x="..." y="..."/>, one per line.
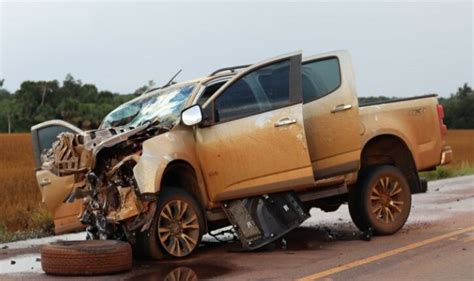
<point x="178" y="228"/>
<point x="386" y="199"/>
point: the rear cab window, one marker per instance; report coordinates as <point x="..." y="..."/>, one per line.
<point x="320" y="78"/>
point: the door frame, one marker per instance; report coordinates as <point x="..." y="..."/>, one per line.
<point x="35" y="136"/>
<point x="295" y="87"/>
<point x="62" y="223"/>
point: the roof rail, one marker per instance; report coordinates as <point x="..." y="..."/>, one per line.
<point x="230" y="68"/>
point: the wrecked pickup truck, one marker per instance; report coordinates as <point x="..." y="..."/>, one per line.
<point x="253" y="146"/>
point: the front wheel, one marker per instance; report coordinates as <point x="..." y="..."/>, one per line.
<point x="381" y="200"/>
<point x="177" y="228"/>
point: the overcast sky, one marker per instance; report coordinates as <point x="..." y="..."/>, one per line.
<point x="398" y="48"/>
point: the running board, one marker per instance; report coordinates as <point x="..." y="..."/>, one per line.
<point x="261" y="220"/>
<point x="323" y="192"/>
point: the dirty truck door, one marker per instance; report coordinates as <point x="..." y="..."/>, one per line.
<point x="256" y="142"/>
<point x="54" y="189"/>
<point x="331" y="114"/>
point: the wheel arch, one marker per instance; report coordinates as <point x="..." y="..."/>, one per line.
<point x="181" y="174"/>
<point x="389" y="149"/>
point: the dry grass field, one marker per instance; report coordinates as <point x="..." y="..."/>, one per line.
<point x="20" y="207"/>
<point x="462" y="142"/>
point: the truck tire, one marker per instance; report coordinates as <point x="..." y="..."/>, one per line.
<point x="381" y="200"/>
<point x="88" y="257"/>
<point x="176" y="230"/>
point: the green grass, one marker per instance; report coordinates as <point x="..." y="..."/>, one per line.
<point x="7" y="236"/>
<point x="443" y="172"/>
<point x="41" y="226"/>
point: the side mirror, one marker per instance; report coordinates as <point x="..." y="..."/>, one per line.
<point x="192" y="115"/>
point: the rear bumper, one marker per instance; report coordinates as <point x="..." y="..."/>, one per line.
<point x="446" y="155"/>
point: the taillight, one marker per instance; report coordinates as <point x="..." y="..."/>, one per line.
<point x="443" y="128"/>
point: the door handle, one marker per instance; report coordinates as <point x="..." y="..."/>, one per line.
<point x="45" y="182"/>
<point x="341" y="107"/>
<point x="285" y="122"/>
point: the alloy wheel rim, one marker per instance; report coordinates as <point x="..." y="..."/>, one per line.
<point x="178" y="228"/>
<point x="386" y="199"/>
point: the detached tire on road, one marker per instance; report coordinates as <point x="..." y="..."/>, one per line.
<point x="381" y="200"/>
<point x="89" y="257"/>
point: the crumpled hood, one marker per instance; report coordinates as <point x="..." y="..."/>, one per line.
<point x="96" y="140"/>
<point x="76" y="153"/>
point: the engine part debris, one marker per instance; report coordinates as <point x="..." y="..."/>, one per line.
<point x="225" y="233"/>
<point x="367" y="235"/>
<point x="283" y="244"/>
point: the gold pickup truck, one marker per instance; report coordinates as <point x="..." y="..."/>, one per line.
<point x="253" y="146"/>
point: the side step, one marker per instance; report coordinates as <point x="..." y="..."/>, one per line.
<point x="262" y="219"/>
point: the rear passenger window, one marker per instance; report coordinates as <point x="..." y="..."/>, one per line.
<point x="261" y="90"/>
<point x="320" y="78"/>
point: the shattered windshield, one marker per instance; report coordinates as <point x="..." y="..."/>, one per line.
<point x="163" y="105"/>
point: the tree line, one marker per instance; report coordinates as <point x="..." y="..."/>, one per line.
<point x="80" y="104"/>
<point x="83" y="105"/>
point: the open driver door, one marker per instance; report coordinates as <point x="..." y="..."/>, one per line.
<point x="54" y="189"/>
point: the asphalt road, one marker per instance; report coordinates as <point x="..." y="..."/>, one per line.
<point x="437" y="243"/>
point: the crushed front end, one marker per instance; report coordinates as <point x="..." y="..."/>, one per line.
<point x="102" y="162"/>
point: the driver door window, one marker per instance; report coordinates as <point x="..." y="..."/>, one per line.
<point x="262" y="90"/>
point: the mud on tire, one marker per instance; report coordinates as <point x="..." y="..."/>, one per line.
<point x="381" y="200"/>
<point x="90" y="257"/>
<point x="150" y="245"/>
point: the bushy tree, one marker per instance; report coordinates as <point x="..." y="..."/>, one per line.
<point x="38" y="101"/>
<point x="459" y="108"/>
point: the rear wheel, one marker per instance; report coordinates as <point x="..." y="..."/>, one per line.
<point x="177" y="228"/>
<point x="381" y="200"/>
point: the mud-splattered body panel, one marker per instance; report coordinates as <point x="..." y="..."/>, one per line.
<point x="252" y="156"/>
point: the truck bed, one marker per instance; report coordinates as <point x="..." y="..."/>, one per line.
<point x="414" y="120"/>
